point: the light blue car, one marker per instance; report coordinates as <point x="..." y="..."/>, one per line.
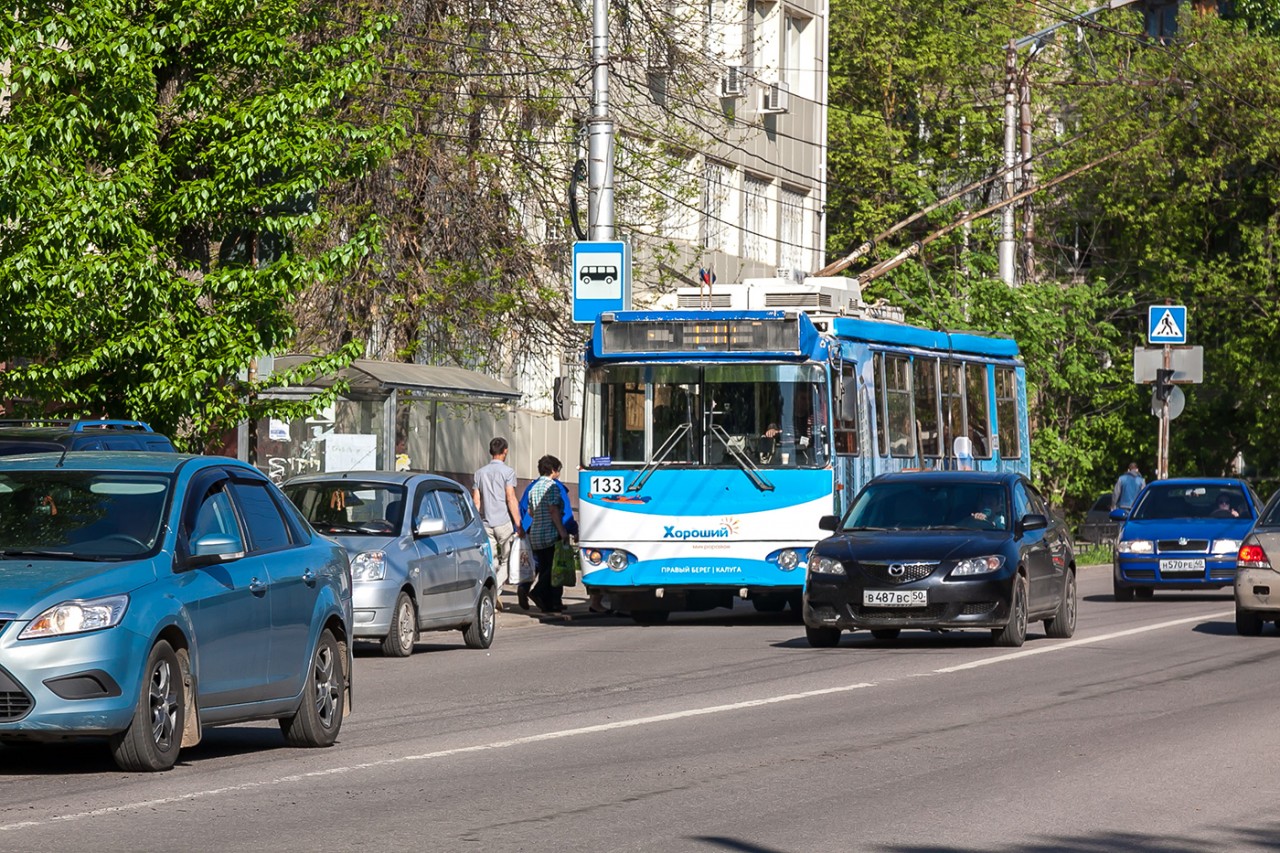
<point x="420" y="558"/>
<point x="144" y="596"/>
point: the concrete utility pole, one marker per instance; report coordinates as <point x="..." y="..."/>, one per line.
<point x="1017" y="105"/>
<point x="600" y="132"/>
<point x="1005" y="250"/>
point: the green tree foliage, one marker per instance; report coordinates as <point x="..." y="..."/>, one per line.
<point x="1191" y="216"/>
<point x="1185" y="210"/>
<point x="163" y="163"/>
<point x="473" y="202"/>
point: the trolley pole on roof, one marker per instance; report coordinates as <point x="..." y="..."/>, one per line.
<point x="600" y="131"/>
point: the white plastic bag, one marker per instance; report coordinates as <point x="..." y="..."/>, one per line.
<point x="520" y="565"/>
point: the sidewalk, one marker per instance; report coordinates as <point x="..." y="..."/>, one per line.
<point x="576" y="608"/>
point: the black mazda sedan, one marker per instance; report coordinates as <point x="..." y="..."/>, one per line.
<point x="940" y="551"/>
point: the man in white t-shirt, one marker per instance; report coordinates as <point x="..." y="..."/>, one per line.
<point x="495" y="495"/>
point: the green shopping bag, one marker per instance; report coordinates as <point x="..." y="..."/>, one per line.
<point x="564" y="569"/>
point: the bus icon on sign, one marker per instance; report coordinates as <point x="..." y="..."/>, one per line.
<point x="605" y="274"/>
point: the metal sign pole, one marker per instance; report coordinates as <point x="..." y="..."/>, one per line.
<point x="1162" y="463"/>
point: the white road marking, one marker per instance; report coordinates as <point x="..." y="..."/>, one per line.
<point x="583" y="730"/>
<point x="1083" y="641"/>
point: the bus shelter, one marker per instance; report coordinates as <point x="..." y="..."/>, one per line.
<point x="392" y="416"/>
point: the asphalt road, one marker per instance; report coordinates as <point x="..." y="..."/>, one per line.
<point x="1155" y="728"/>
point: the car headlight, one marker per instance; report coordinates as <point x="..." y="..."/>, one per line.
<point x="978" y="566"/>
<point x="369" y="566"/>
<point x="788" y="560"/>
<point x="825" y="566"/>
<point x="1136" y="546"/>
<point x="617" y="560"/>
<point x="77" y="617"/>
<point x="1226" y="546"/>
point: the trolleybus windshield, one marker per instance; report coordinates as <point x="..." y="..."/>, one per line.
<point x="773" y="413"/>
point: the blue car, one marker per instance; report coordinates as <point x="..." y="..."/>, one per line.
<point x="144" y="596"/>
<point x="1182" y="534"/>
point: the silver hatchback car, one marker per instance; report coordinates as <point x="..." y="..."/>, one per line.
<point x="420" y="559"/>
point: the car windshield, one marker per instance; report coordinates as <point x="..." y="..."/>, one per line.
<point x="929" y="506"/>
<point x="81" y="515"/>
<point x="1161" y="501"/>
<point x="342" y="507"/>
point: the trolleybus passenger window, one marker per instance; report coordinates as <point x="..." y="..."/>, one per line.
<point x="897" y="438"/>
<point x="926" y="382"/>
<point x="979" y="430"/>
<point x="952" y="405"/>
<point x="1007" y="413"/>
<point x="846" y="416"/>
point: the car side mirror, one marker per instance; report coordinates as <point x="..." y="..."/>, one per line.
<point x="214" y="548"/>
<point x="829" y="522"/>
<point x="429" y="527"/>
<point x="1118" y="514"/>
<point x="1034" y="521"/>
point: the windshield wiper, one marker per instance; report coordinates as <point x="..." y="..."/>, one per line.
<point x="660" y="456"/>
<point x="54" y="555"/>
<point x="744" y="461"/>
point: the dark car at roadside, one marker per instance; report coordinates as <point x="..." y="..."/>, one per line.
<point x="59" y="436"/>
<point x="942" y="551"/>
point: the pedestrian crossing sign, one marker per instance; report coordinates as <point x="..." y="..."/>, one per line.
<point x="1166" y="324"/>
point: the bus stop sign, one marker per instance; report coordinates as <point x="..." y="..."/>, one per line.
<point x="601" y="278"/>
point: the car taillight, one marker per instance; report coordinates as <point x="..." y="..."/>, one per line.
<point x="1252" y="556"/>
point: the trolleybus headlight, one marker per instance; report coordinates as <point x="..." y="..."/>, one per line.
<point x="825" y="566"/>
<point x="788" y="559"/>
<point x="595" y="556"/>
<point x="618" y="560"/>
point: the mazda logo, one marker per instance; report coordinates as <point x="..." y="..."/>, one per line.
<point x="897" y="570"/>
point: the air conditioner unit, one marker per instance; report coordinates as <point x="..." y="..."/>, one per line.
<point x="733" y="82"/>
<point x="775" y="98"/>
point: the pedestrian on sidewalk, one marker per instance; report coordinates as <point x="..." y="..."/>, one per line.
<point x="544" y="504"/>
<point x="1127" y="487"/>
<point x="494" y="493"/>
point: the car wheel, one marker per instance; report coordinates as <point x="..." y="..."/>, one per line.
<point x="1063" y="623"/>
<point x="404" y="628"/>
<point x="886" y="633"/>
<point x="319" y="717"/>
<point x="1248" y="622"/>
<point x="1121" y="593"/>
<point x="154" y="735"/>
<point x="822" y="638"/>
<point x="1015" y="633"/>
<point x="650" y="617"/>
<point x="479" y="634"/>
<point x="1144" y="592"/>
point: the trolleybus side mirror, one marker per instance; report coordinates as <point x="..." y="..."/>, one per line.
<point x="560" y="398"/>
<point x="829" y="522"/>
<point x="849" y="400"/>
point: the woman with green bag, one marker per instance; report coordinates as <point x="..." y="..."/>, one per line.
<point x="546" y="527"/>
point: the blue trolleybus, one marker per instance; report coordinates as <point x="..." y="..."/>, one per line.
<point x="714" y="441"/>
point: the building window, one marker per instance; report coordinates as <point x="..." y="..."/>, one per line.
<point x="792" y="245"/>
<point x="757" y="229"/>
<point x="715" y="205"/>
